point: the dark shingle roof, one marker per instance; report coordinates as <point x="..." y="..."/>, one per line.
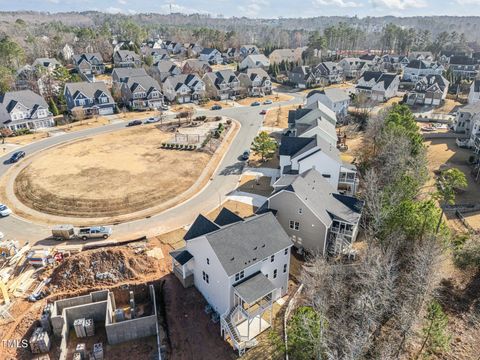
<point x="181" y="255"/>
<point x="226" y="217"/>
<point x="291" y="146"/>
<point x="254" y="287"/>
<point x="200" y="226"/>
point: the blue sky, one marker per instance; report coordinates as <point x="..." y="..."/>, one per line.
<point x="258" y="8"/>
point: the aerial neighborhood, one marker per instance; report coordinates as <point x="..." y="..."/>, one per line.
<point x="203" y="187"/>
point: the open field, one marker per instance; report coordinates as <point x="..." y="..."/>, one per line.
<point x="224" y="104"/>
<point x="275" y="97"/>
<point x="109" y="174"/>
<point x="278" y="116"/>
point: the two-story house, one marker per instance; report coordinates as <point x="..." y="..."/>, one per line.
<point x="255" y="61"/>
<point x="48" y="64"/>
<point x="336" y="100"/>
<point x="429" y="90"/>
<point x="474" y="94"/>
<point x="222" y="85"/>
<point x="184" y="88"/>
<point x="231" y="54"/>
<point x="417" y="69"/>
<point x="163" y="69"/>
<point x="93" y="98"/>
<point x="353" y="68"/>
<point x="256" y="81"/>
<point x="24" y="110"/>
<point x="378" y="86"/>
<point x="121" y="75"/>
<point x="193" y="49"/>
<point x="156" y="54"/>
<point x="463" y="68"/>
<point x="240" y="266"/>
<point x="210" y="55"/>
<point x="248" y="49"/>
<point x="302" y="77"/>
<point x="317" y="218"/>
<point x="89" y="63"/>
<point x="329" y="73"/>
<point x="464" y="120"/>
<point x="142" y="92"/>
<point x="195" y="66"/>
<point x="126" y="58"/>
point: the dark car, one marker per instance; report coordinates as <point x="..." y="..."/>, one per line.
<point x="263" y="112"/>
<point x="17" y="156"/>
<point x="256" y="103"/>
<point x="246" y="155"/>
<point x="134" y="123"/>
<point x="216" y="107"/>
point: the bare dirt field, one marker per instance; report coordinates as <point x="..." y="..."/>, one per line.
<point x="354" y="140"/>
<point x="109" y="174"/>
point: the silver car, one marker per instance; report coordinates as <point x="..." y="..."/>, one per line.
<point x="94" y="232"/>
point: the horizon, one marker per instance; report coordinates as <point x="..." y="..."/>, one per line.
<point x="260" y="9"/>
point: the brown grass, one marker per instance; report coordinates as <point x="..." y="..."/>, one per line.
<point x="109" y="174"/>
<point x="278" y="116"/>
<point x="275" y="97"/>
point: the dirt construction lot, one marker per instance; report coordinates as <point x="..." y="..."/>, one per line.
<point x="109" y="174"/>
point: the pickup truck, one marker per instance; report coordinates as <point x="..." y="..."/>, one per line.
<point x="94" y="232"/>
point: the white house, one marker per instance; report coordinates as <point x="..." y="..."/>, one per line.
<point x="212" y="56"/>
<point x="417" y="69"/>
<point x="240" y="266"/>
<point x="378" y="86"/>
<point x="336" y="100"/>
<point x="353" y="67"/>
<point x="24" y="110"/>
<point x="255" y="61"/>
<point x="184" y="88"/>
<point x="429" y="90"/>
<point x="256" y="82"/>
<point x="316" y="217"/>
<point x="474" y="95"/>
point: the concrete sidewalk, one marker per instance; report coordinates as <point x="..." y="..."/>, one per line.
<point x="247" y="198"/>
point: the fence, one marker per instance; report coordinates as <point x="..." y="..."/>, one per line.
<point x="288" y="311"/>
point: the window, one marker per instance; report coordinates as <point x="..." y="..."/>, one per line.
<point x="208" y="261"/>
<point x="272" y="258"/>
<point x="285" y="268"/>
<point x="205" y="277"/>
<point x="286" y="251"/>
<point x="300" y="210"/>
<point x="239" y="275"/>
<point x="275" y="273"/>
<point x="294" y="225"/>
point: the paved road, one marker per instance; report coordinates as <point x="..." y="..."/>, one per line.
<point x="223" y="182"/>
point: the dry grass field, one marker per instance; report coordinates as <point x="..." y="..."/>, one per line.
<point x="275" y="97"/>
<point x="109" y="174"/>
<point x="278" y="116"/>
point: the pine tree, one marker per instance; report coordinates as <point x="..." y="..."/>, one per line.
<point x="435" y="330"/>
<point x="53" y="107"/>
<point x="264" y="145"/>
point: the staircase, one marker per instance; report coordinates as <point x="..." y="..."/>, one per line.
<point x="231" y="328"/>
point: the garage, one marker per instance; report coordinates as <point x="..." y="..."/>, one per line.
<point x="106" y="111"/>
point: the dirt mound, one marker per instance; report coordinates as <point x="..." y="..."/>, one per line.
<point x="101" y="267"/>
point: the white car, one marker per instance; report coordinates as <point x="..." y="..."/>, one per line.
<point x="4" y="210"/>
<point x="1" y="236"/>
<point x="152" y="120"/>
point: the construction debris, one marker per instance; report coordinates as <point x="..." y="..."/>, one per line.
<point x="39" y="341"/>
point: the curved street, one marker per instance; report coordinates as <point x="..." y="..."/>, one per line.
<point x="223" y="181"/>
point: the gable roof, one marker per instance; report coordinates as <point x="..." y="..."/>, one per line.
<point x="189" y="80"/>
<point x="247" y="242"/>
<point x="258" y="59"/>
<point x="124" y="54"/>
<point x="217" y="77"/>
<point x="147" y="82"/>
<point x="317" y="193"/>
<point x="334" y="94"/>
<point x="226" y="217"/>
<point x="294" y="146"/>
<point x="90" y="89"/>
<point x="124" y="72"/>
<point x="27" y="98"/>
<point x="166" y="66"/>
<point x="254" y="287"/>
<point x="181" y="255"/>
<point x="200" y="226"/>
<point x="88" y="57"/>
<point x="379" y="77"/>
<point x="196" y="64"/>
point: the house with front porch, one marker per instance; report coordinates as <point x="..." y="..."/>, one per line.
<point x="429" y="90"/>
<point x="317" y="218"/>
<point x="184" y="88"/>
<point x="91" y="98"/>
<point x="378" y="86"/>
<point x="142" y="93"/>
<point x="222" y="85"/>
<point x="240" y="266"/>
<point x="463" y="68"/>
<point x="24" y="109"/>
<point x="465" y="118"/>
<point x="416" y="69"/>
<point x="353" y="68"/>
<point x="256" y="81"/>
<point x="329" y="73"/>
<point x="163" y="69"/>
<point x="210" y="55"/>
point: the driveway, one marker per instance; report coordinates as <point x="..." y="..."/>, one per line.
<point x="223" y="182"/>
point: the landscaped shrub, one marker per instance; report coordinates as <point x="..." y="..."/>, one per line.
<point x="218" y="118"/>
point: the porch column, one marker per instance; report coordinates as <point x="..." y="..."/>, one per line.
<point x="271" y="311"/>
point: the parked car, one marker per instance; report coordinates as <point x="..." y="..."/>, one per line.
<point x="94" y="232"/>
<point x="135" y="123"/>
<point x="267" y="102"/>
<point x="263" y="112"/>
<point x="255" y="103"/>
<point x="16" y="156"/>
<point x="164" y="107"/>
<point x="4" y="210"/>
<point x="246" y="155"/>
<point x="152" y="120"/>
<point x="216" y="107"/>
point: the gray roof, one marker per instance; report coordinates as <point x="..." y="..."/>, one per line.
<point x="122" y="73"/>
<point x="334" y="94"/>
<point x="87" y="57"/>
<point x="226" y="217"/>
<point x="476" y="86"/>
<point x="90" y="89"/>
<point x="147" y="82"/>
<point x="217" y="77"/>
<point x="181" y="255"/>
<point x="471" y="108"/>
<point x="254" y="288"/>
<point x="124" y="54"/>
<point x="243" y="244"/>
<point x="321" y="198"/>
<point x="165" y="66"/>
<point x="196" y="64"/>
<point x="27" y="98"/>
<point x="189" y="80"/>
